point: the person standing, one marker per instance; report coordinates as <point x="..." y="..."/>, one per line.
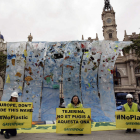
<point x="130" y="107"/>
<point x="75" y="102"/>
<point x="12" y="132"/>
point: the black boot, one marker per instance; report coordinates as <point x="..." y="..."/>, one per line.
<point x="69" y="134"/>
<point x="134" y="130"/>
<point x="128" y="131"/>
<point x="81" y="134"/>
<point x="6" y="135"/>
<point x="1" y="132"/>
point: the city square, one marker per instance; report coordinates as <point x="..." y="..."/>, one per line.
<point x="67" y="88"/>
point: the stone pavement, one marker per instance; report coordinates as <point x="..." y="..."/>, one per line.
<point x="96" y="135"/>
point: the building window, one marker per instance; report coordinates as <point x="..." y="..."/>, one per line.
<point x="110" y="35"/>
<point x="137" y="70"/>
<point x="138" y="81"/>
<point x="117" y="79"/>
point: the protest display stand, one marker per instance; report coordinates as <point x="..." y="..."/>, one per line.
<point x="128" y="120"/>
<point x="15" y="115"/>
<point x="73" y="121"/>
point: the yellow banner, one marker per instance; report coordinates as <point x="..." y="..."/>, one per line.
<point x="127" y="120"/>
<point x="15" y="115"/>
<point x="73" y="121"/>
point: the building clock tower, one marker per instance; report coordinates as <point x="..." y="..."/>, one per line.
<point x="109" y="23"/>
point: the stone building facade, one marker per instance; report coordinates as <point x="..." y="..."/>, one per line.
<point x="2" y="69"/>
<point x="109" y="24"/>
<point x="128" y="78"/>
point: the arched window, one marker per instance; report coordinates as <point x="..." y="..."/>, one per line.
<point x="137" y="70"/>
<point x="138" y="81"/>
<point x="110" y="35"/>
<point x="117" y="79"/>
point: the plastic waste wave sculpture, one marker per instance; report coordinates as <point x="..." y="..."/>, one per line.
<point x="51" y="82"/>
<point x="14" y="69"/>
<point x="35" y="71"/>
<point x="33" y="76"/>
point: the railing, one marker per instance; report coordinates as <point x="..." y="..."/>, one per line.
<point x="117" y="85"/>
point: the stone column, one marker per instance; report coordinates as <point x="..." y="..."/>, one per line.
<point x="132" y="73"/>
<point x="129" y="73"/>
<point x="1" y="91"/>
<point x="136" y="96"/>
<point x="1" y="87"/>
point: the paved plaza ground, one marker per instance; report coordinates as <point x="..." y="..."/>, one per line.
<point x="95" y="135"/>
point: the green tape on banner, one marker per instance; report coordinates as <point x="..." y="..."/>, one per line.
<point x="51" y="128"/>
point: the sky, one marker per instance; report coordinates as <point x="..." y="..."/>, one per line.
<point x="64" y="20"/>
